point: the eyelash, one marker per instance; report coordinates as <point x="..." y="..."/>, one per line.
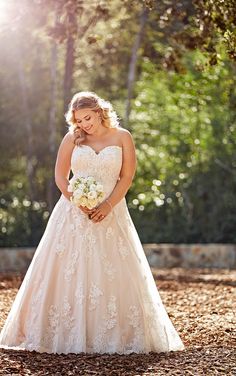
<point x="85" y="119"/>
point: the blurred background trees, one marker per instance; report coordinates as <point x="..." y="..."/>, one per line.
<point x="169" y="70"/>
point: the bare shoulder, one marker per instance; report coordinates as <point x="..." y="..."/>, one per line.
<point x="67" y="144"/>
<point x="123" y="131"/>
<point x="68" y="141"/>
<point x="68" y="138"/>
<point x="128" y="153"/>
<point x="125" y="136"/>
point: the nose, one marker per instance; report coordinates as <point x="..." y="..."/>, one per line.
<point x="85" y="125"/>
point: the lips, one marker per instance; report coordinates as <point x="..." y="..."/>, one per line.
<point x="87" y="129"/>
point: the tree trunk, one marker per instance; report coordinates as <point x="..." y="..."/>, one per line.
<point x="52" y="189"/>
<point x="69" y="65"/>
<point x="76" y="31"/>
<point x="133" y="63"/>
<point x="28" y="124"/>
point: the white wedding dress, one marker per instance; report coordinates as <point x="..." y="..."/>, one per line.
<point x="89" y="287"/>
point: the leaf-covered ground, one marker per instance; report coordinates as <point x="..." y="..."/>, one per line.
<point x="200" y="302"/>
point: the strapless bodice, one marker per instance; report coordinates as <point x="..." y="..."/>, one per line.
<point x="104" y="166"/>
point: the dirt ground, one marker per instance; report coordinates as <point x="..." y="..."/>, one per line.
<point x="202" y="306"/>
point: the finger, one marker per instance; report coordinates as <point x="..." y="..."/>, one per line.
<point x="94" y="215"/>
<point x="95" y="218"/>
<point x="99" y="218"/>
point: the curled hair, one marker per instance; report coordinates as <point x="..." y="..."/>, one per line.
<point x="89" y="99"/>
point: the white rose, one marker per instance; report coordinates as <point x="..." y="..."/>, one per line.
<point x="91" y="204"/>
<point x="78" y="193"/>
<point x="92" y="187"/>
<point x="81" y="186"/>
<point x="83" y="201"/>
<point x="99" y="188"/>
<point x="76" y="201"/>
<point x="90" y="179"/>
<point x="92" y="195"/>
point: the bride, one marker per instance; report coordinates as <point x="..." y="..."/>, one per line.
<point x="89" y="287"/>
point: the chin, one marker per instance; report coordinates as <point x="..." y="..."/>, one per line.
<point x="89" y="130"/>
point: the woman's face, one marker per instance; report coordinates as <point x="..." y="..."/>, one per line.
<point x="88" y="120"/>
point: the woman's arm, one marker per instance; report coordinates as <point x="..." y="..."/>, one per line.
<point x="127" y="170"/>
<point x="126" y="177"/>
<point x="62" y="167"/>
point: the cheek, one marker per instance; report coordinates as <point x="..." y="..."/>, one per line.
<point x="96" y="121"/>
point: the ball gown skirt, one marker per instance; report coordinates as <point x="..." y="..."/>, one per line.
<point x="89" y="287"/>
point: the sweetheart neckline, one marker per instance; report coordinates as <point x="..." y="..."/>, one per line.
<point x="100" y="151"/>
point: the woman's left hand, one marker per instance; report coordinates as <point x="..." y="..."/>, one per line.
<point x="100" y="212"/>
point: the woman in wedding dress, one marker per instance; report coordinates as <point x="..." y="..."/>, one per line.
<point x="89" y="287"/>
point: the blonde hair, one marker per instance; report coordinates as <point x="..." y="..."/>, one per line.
<point x="89" y="99"/>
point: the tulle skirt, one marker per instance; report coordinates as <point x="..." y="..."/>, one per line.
<point x="89" y="288"/>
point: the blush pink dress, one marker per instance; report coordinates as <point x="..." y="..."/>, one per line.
<point x="89" y="287"/>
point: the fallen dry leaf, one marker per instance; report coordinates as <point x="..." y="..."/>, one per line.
<point x="201" y="304"/>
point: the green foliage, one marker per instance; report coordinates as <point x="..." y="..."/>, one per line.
<point x="22" y="221"/>
<point x="175" y="28"/>
<point x="183" y="115"/>
<point x="185" y="132"/>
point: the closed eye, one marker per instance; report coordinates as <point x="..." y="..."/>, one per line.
<point x="79" y="121"/>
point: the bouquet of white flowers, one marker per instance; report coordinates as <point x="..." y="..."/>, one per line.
<point x="86" y="191"/>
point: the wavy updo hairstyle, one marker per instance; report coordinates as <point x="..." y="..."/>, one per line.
<point x="89" y="99"/>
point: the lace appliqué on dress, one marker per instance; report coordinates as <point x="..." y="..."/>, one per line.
<point x="32" y="322"/>
<point x="56" y="317"/>
<point x="122" y="249"/>
<point x="90" y="241"/>
<point x="70" y="269"/>
<point x="79" y="294"/>
<point x="94" y="294"/>
<point x="109" y="232"/>
<point x="60" y="237"/>
<point x="101" y="342"/>
<point x="137" y="344"/>
<point x="109" y="269"/>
